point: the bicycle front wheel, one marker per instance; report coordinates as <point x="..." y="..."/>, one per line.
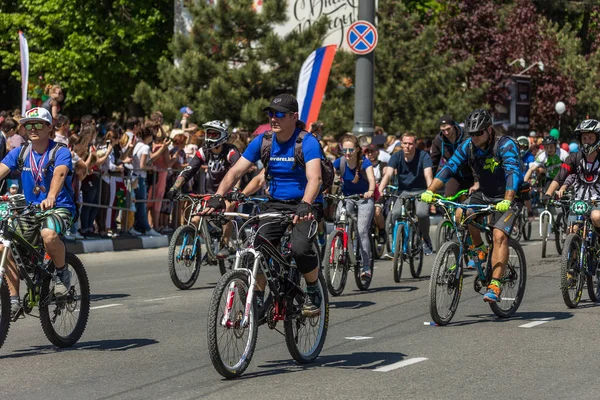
<point x="560" y="232"/>
<point x="335" y="263"/>
<point x="398" y="253"/>
<point x="231" y="345"/>
<point x="527" y="225"/>
<point x="545" y="233"/>
<point x="389" y="230"/>
<point x="571" y="271"/>
<point x="185" y="257"/>
<point x="444" y="233"/>
<point x="513" y="282"/>
<point x="444" y="287"/>
<point x="4" y="311"/>
<point x="305" y="336"/>
<point x="64" y="318"/>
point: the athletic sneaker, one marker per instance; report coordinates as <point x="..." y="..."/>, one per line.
<point x="134" y="233"/>
<point x="312" y="304"/>
<point x="225" y="252"/>
<point x="382" y="236"/>
<point x="493" y="294"/>
<point x="479" y="256"/>
<point x="15" y="309"/>
<point x="366" y="274"/>
<point x="427" y="247"/>
<point x="62" y="281"/>
<point x="152" y="232"/>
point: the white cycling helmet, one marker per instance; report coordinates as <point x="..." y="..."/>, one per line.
<point x="215" y="134"/>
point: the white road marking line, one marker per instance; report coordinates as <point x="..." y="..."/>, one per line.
<point x="507" y="299"/>
<point x="537" y="322"/>
<point x="105" y="306"/>
<point x="359" y="337"/>
<point x="162" y="298"/>
<point x="400" y="364"/>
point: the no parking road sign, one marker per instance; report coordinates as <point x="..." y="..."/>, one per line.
<point x="362" y="37"/>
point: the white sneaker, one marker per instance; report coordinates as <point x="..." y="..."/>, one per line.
<point x="78" y="236"/>
<point x="69" y="237"/>
<point x="152" y="232"/>
<point x="133" y="232"/>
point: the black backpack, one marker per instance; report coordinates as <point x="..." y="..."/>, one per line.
<point x="26" y="150"/>
<point x="327" y="170"/>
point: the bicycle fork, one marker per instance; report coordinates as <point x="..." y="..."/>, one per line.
<point x="3" y="259"/>
<point x="542" y="215"/>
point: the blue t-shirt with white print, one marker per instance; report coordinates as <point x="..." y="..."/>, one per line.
<point x="350" y="188"/>
<point x="64" y="199"/>
<point x="286" y="183"/>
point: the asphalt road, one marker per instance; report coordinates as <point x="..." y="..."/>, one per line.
<point x="147" y="340"/>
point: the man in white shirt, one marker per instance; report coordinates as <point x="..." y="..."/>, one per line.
<point x="61" y="135"/>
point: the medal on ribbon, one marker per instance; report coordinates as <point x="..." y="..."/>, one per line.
<point x="37" y="172"/>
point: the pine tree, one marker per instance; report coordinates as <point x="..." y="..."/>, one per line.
<point x="231" y="64"/>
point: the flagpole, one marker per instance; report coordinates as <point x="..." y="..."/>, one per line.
<point x="24" y="71"/>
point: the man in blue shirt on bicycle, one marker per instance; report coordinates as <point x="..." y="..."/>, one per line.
<point x="495" y="160"/>
<point x="46" y="176"/>
<point x="294" y="190"/>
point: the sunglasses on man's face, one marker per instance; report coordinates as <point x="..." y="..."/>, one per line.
<point x="37" y="126"/>
<point x="479" y="133"/>
<point x="276" y="114"/>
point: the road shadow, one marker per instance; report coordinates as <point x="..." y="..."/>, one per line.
<point x="211" y="286"/>
<point x="97" y="345"/>
<point x="350" y="305"/>
<point x="519" y="316"/>
<point x="383" y="289"/>
<point x="354" y="361"/>
<point x="100" y="297"/>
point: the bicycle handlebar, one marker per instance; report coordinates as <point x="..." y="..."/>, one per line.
<point x="451" y="198"/>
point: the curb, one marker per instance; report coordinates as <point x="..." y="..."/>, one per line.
<point x="118" y="244"/>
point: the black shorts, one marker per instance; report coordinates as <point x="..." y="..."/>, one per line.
<point x="503" y="222"/>
<point x="302" y="245"/>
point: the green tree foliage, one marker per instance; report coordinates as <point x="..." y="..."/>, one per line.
<point x="97" y="50"/>
<point x="231" y="64"/>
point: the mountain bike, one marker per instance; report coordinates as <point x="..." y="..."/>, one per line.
<point x="558" y="227"/>
<point x="579" y="262"/>
<point x="390" y="196"/>
<point x="63" y="318"/>
<point x="407" y="239"/>
<point x="446" y="281"/>
<point x="445" y="230"/>
<point x="523" y="226"/>
<point x="233" y="316"/>
<point x="342" y="251"/>
<point x="185" y="248"/>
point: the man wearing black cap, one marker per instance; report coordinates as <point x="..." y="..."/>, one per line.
<point x="294" y="190"/>
<point x="451" y="135"/>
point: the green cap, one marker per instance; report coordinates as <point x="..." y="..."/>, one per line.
<point x="554" y="133"/>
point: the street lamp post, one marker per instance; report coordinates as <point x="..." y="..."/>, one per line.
<point x="560" y="108"/>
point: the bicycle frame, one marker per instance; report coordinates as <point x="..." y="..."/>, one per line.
<point x="405" y="217"/>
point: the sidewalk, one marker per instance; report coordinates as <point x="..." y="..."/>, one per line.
<point x="122" y="243"/>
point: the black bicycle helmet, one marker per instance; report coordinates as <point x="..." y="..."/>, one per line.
<point x="549" y="140"/>
<point x="589" y="125"/>
<point x="477" y="121"/>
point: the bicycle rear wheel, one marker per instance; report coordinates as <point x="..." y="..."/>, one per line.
<point x="305" y="336"/>
<point x="444" y="233"/>
<point x="379" y="247"/>
<point x="185" y="257"/>
<point x="593" y="285"/>
<point x="398" y="253"/>
<point x="513" y="282"/>
<point x="571" y="273"/>
<point x="444" y="287"/>
<point x="389" y="230"/>
<point x="416" y="252"/>
<point x="560" y="232"/>
<point x="545" y="234"/>
<point x="364" y="284"/>
<point x="527" y="225"/>
<point x="230" y="345"/>
<point x="335" y="263"/>
<point x="64" y="319"/>
<point x="517" y="229"/>
<point x="4" y="311"/>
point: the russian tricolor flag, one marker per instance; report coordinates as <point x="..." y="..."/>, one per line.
<point x="313" y="81"/>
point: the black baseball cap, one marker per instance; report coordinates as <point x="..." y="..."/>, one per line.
<point x="446" y="119"/>
<point x="284" y="103"/>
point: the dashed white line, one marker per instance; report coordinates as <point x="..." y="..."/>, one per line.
<point x="400" y="364"/>
<point x="162" y="298"/>
<point x="359" y="337"/>
<point x="105" y="306"/>
<point x="536" y="322"/>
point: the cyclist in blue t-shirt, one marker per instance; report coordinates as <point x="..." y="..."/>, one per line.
<point x="293" y="189"/>
<point x="50" y="187"/>
<point x="358" y="178"/>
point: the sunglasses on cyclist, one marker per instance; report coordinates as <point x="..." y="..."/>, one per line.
<point x="478" y="133"/>
<point x="348" y="151"/>
<point x="277" y="114"/>
<point x="37" y="126"/>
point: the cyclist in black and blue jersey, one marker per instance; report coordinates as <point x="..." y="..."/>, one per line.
<point x="294" y="189"/>
<point x="495" y="160"/>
